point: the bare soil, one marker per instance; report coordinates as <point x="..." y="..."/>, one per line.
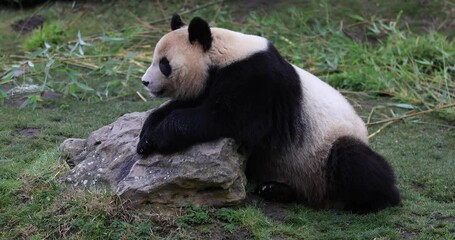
<point x="29" y="132"/>
<point x="274" y="211"/>
<point x="28" y="24"/>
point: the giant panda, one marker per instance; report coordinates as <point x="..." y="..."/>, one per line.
<point x="305" y="142"/>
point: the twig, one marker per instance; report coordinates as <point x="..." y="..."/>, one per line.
<point x="161" y="8"/>
<point x="82" y="64"/>
<point x="350" y="92"/>
<point x="187" y="11"/>
<point x="74" y="62"/>
<point x="142" y="97"/>
<point x="436" y="124"/>
<point x="371" y="114"/>
<point x="410" y="115"/>
<point x="355" y="103"/>
<point x="70" y="24"/>
<point x="218" y="11"/>
<point x="379" y="130"/>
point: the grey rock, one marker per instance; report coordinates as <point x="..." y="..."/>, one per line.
<point x="72" y="147"/>
<point x="205" y="174"/>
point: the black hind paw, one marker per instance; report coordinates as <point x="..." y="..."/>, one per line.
<point x="276" y="192"/>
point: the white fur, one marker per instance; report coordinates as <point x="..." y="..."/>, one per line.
<point x="327" y="113"/>
<point x="329" y="117"/>
<point x="229" y="46"/>
<point x="190" y="63"/>
<point x="332" y="116"/>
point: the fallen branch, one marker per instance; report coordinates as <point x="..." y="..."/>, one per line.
<point x="379" y="130"/>
<point x="411" y="115"/>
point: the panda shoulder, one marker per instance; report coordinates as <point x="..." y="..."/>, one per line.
<point x="230" y="46"/>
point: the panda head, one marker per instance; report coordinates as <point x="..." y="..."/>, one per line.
<point x="180" y="61"/>
<point x="183" y="57"/>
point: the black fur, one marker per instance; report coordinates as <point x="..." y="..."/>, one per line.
<point x="276" y="192"/>
<point x="199" y="30"/>
<point x="145" y="146"/>
<point x="176" y="22"/>
<point x="264" y="82"/>
<point x="258" y="102"/>
<point x="165" y="67"/>
<point x="360" y="179"/>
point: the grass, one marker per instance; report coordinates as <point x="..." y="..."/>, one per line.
<point x="413" y="68"/>
<point x="32" y="200"/>
<point x="94" y="69"/>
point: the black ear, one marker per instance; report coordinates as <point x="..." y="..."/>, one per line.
<point x="199" y="30"/>
<point x="176" y="22"/>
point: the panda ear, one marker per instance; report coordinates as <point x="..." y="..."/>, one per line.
<point x="199" y="30"/>
<point x="176" y="22"/>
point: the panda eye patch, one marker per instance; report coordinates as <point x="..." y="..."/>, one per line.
<point x="165" y="67"/>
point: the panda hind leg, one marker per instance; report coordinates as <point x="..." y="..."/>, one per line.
<point x="276" y="192"/>
<point x="360" y="179"/>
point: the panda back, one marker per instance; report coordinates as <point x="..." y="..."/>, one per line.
<point x="330" y="115"/>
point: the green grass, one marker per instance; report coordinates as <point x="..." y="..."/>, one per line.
<point x="393" y="60"/>
<point x="50" y="33"/>
<point x="356" y="47"/>
<point x="31" y="197"/>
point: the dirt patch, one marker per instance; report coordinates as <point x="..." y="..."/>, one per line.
<point x="273" y="211"/>
<point x="418" y="187"/>
<point x="28" y="24"/>
<point x="407" y="235"/>
<point x="440" y="217"/>
<point x="29" y="132"/>
<point x="216" y="231"/>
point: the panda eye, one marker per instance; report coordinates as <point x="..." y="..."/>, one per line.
<point x="165" y="67"/>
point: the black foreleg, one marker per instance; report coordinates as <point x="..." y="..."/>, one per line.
<point x="183" y="128"/>
<point x="159" y="114"/>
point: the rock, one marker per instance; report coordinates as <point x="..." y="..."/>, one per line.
<point x="72" y="147"/>
<point x="204" y="174"/>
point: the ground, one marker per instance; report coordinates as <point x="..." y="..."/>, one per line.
<point x="89" y="79"/>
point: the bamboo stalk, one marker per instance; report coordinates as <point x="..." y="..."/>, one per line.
<point x="379" y="130"/>
<point x="411" y="115"/>
<point x="140" y="96"/>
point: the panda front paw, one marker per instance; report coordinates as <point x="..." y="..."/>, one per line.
<point x="155" y="141"/>
<point x="143" y="131"/>
<point x="145" y="146"/>
<point x="276" y="192"/>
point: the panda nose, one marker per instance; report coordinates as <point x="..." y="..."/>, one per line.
<point x="145" y="83"/>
